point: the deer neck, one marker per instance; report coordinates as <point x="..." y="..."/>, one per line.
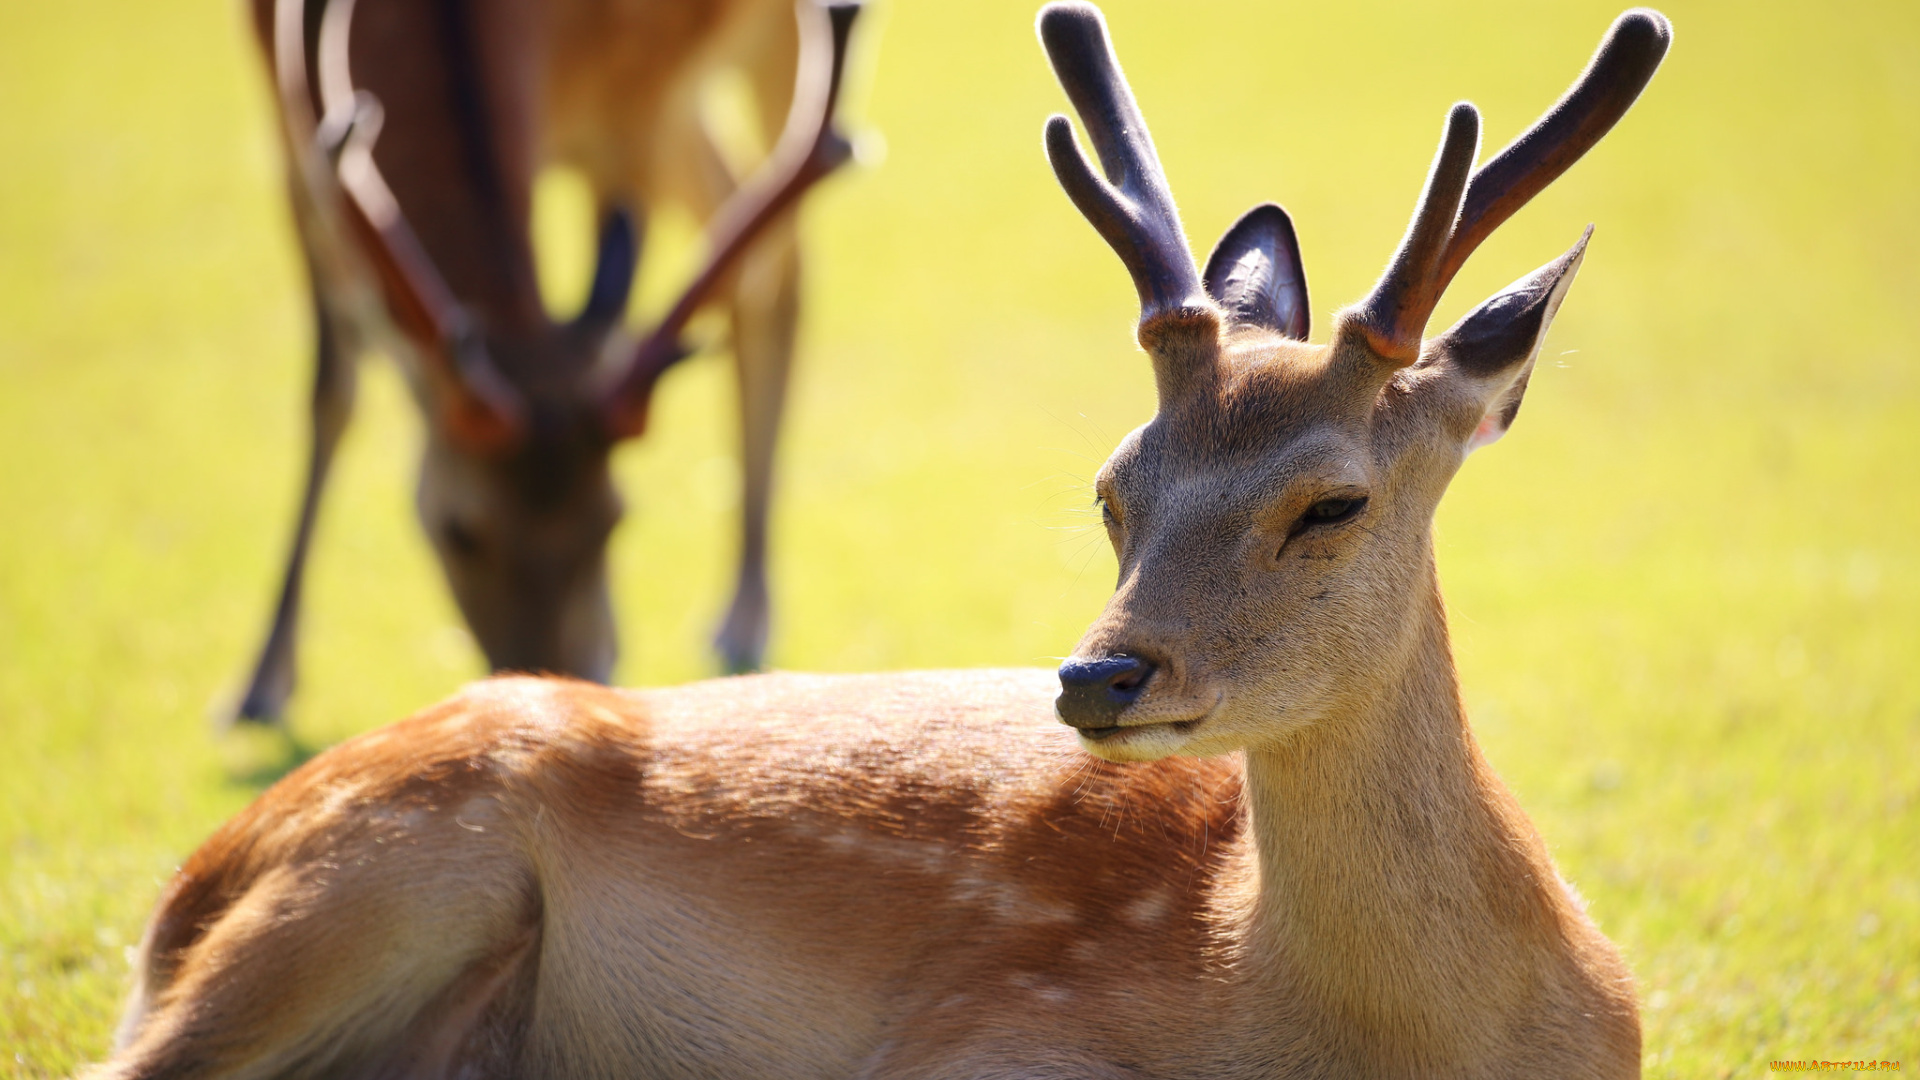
<point x="1404" y="898"/>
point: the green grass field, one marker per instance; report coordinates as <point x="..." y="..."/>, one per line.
<point x="1686" y="589"/>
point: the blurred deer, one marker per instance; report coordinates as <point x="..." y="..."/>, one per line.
<point x="921" y="875"/>
<point x="420" y="244"/>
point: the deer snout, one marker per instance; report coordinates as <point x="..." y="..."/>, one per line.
<point x="1093" y="693"/>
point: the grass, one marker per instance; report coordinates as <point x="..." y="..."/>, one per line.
<point x="1686" y="589"/>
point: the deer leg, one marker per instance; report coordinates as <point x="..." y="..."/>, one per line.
<point x="763" y="304"/>
<point x="368" y="970"/>
<point x="331" y="406"/>
<point x="765" y="315"/>
<point x="766" y="310"/>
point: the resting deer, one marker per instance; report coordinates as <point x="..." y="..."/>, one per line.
<point x="922" y="875"/>
<point x="422" y="245"/>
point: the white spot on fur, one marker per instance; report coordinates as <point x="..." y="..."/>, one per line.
<point x="1085" y="951"/>
<point x="339" y="800"/>
<point x="1151" y="907"/>
<point x="1041" y="988"/>
<point x="1009" y="902"/>
<point x="927" y="856"/>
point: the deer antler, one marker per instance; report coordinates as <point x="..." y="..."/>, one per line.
<point x="1456" y="214"/>
<point x="335" y="158"/>
<point x="1132" y="208"/>
<point x="810" y="148"/>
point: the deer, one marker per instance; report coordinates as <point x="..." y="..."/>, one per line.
<point x="419" y="244"/>
<point x="1244" y="830"/>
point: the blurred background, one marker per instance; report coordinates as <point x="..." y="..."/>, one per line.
<point x="1685" y="589"/>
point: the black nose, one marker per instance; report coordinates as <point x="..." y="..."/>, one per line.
<point x="1094" y="692"/>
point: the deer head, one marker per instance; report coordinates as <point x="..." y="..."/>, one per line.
<point x="1273" y="520"/>
<point x="515" y="489"/>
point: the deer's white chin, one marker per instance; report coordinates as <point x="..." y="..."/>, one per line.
<point x="1144" y="742"/>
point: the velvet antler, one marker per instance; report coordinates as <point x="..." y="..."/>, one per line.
<point x="1456" y="214"/>
<point x="1132" y="207"/>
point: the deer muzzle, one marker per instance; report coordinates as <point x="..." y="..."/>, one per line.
<point x="1093" y="693"/>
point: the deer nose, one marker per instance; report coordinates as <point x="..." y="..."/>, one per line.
<point x="1093" y="693"/>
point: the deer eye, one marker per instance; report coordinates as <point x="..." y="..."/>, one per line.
<point x="1109" y="510"/>
<point x="1331" y="511"/>
<point x="460" y="539"/>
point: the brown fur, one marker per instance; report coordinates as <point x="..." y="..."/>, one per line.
<point x="914" y="875"/>
<point x="983" y="844"/>
<point x="1283" y="856"/>
<point x="921" y="875"/>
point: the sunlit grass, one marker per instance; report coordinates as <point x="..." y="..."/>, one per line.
<point x="1686" y="588"/>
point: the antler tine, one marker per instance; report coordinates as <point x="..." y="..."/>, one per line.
<point x="1620" y="69"/>
<point x="1395" y="312"/>
<point x="1450" y="224"/>
<point x="1132" y="209"/>
<point x="478" y="405"/>
<point x="810" y="148"/>
<point x="335" y="157"/>
<point x="296" y="93"/>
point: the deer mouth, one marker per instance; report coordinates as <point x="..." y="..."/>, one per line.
<point x="1120" y="733"/>
<point x="1102" y="734"/>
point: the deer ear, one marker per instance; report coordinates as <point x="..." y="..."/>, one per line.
<point x="1254" y="273"/>
<point x="1493" y="349"/>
